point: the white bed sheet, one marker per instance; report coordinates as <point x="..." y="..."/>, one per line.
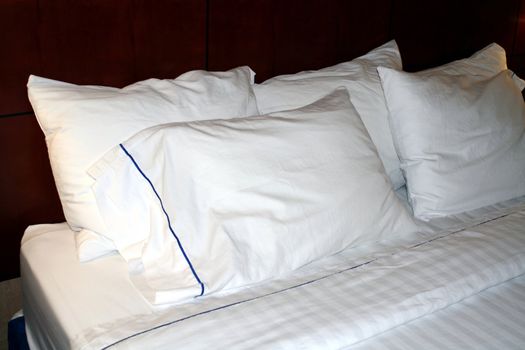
<point x="492" y="319"/>
<point x="72" y="305"/>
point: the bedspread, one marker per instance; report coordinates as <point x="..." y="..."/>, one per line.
<point x="340" y="305"/>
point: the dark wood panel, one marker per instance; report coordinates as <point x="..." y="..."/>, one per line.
<point x="493" y="21"/>
<point x="516" y="58"/>
<point x="430" y="33"/>
<point x="519" y="43"/>
<point x="87" y="41"/>
<point x="363" y="26"/>
<point x="517" y="64"/>
<point x="169" y="37"/>
<point x="26" y="187"/>
<point x="19" y="53"/>
<point x="306" y="34"/>
<point x="241" y="32"/>
<point x="276" y="37"/>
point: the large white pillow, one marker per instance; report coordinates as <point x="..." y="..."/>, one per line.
<point x="460" y="139"/>
<point x="203" y="206"/>
<point x="81" y="123"/>
<point x="360" y="77"/>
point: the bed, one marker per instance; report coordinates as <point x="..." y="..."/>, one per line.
<point x="351" y="205"/>
<point x="451" y="300"/>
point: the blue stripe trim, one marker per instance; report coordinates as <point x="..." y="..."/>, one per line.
<point x="240" y="302"/>
<point x="167" y="218"/>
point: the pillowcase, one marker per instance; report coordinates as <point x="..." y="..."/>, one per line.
<point x="81" y="123"/>
<point x="360" y="77"/>
<point x="204" y="206"/>
<point x="460" y="140"/>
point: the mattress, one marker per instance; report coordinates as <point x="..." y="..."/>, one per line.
<point x="458" y="282"/>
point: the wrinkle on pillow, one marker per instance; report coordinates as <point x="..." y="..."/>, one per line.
<point x="221" y="204"/>
<point x="360" y="78"/>
<point x="81" y="123"/>
<point x="460" y="139"/>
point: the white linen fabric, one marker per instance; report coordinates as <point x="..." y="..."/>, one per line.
<point x="204" y="206"/>
<point x="62" y="296"/>
<point x="81" y="123"/>
<point x="461" y="141"/>
<point x="486" y="321"/>
<point x="360" y="77"/>
<point x="91" y="306"/>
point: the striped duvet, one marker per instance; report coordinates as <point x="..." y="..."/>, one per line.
<point x="459" y="289"/>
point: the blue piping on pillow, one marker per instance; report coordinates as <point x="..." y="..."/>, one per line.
<point x="167" y="218"/>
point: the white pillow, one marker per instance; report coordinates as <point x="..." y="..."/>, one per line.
<point x="81" y="123"/>
<point x="360" y="77"/>
<point x="460" y="139"/>
<point x="248" y="199"/>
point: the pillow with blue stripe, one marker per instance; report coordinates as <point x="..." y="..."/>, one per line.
<point x="81" y="123"/>
<point x="204" y="206"/>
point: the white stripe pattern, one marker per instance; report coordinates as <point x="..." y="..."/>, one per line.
<point x="414" y="293"/>
<point x="492" y="319"/>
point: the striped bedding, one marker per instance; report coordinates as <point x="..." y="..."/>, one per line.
<point x="455" y="289"/>
<point x="492" y="319"/>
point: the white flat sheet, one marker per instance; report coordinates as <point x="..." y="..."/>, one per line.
<point x="492" y="319"/>
<point x="342" y="300"/>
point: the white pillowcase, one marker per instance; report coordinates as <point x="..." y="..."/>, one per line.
<point x="360" y="77"/>
<point x="81" y="123"/>
<point x="460" y="139"/>
<point x="248" y="199"/>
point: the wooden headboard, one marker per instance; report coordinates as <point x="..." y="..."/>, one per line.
<point x="117" y="42"/>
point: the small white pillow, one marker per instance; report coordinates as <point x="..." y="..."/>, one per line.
<point x="247" y="199"/>
<point x="460" y="140"/>
<point x="81" y="123"/>
<point x="360" y="77"/>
